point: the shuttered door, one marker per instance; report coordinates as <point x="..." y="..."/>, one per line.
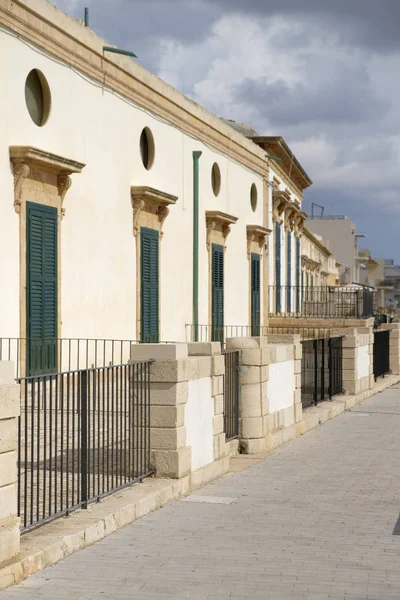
<point x="278" y="266"/>
<point x="149" y="285"/>
<point x="289" y="273"/>
<point x="217" y="282"/>
<point x="42" y="277"/>
<point x="298" y="258"/>
<point x="255" y="294"/>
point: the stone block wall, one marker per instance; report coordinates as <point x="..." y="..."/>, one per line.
<point x="186" y="407"/>
<point x="270" y="379"/>
<point x="9" y="412"/>
<point x="394" y="346"/>
<point x="358" y="368"/>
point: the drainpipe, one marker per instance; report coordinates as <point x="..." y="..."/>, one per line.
<point x="196" y="156"/>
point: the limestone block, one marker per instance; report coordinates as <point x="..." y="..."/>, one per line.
<point x="220" y="446"/>
<point x="266" y="355"/>
<point x="298" y="351"/>
<point x="349" y="342"/>
<point x="204" y="349"/>
<point x="349" y="353"/>
<point x="349" y="364"/>
<point x="10" y="402"/>
<point x="298" y="412"/>
<point x="169" y="393"/>
<point x="172" y="463"/>
<point x="8" y="501"/>
<point x="255" y="446"/>
<point x="252" y="427"/>
<point x="297" y="367"/>
<point x="250" y="403"/>
<point x="167" y="439"/>
<point x="249" y="375"/>
<point x="297" y="380"/>
<point x="192" y="368"/>
<point x="350" y="387"/>
<point x="9" y="539"/>
<point x="264" y="406"/>
<point x="217" y="385"/>
<point x="297" y="396"/>
<point x="205" y="366"/>
<point x="218" y="424"/>
<point x="218" y="365"/>
<point x="167" y="416"/>
<point x="8" y="468"/>
<point x="159" y="352"/>
<point x="8" y="435"/>
<point x="264" y="373"/>
<point x="6" y="372"/>
<point x="251" y="357"/>
<point x="288" y="416"/>
<point x="219" y="404"/>
<point x="171" y="371"/>
<point x="278" y="353"/>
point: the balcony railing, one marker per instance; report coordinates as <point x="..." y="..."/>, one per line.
<point x="321" y="302"/>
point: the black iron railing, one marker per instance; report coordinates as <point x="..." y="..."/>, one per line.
<point x="321" y="370"/>
<point x="231" y="394"/>
<point x="320" y="302"/>
<point x="209" y="333"/>
<point x="82" y="435"/>
<point x="381" y="353"/>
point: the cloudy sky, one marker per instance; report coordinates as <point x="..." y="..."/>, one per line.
<point x="323" y="74"/>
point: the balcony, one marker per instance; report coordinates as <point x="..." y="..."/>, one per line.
<point x="341" y="302"/>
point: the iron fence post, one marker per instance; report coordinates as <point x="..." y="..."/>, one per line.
<point x="330" y="367"/>
<point x="84" y="438"/>
<point x="315" y="347"/>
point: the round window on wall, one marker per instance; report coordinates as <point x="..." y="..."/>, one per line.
<point x="253" y="197"/>
<point x="216" y="179"/>
<point x="37" y="97"/>
<point x="147" y="148"/>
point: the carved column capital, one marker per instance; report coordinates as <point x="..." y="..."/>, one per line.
<point x="162" y="213"/>
<point x="137" y="205"/>
<point x="210" y="226"/>
<point x="21" y="172"/>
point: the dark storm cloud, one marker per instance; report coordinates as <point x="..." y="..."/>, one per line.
<point x="347" y="98"/>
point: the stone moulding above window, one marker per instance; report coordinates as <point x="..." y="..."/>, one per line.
<point x="299" y="221"/>
<point x="291" y="211"/>
<point x="257" y="234"/>
<point x="219" y="222"/>
<point x="310" y="265"/>
<point x="26" y="160"/>
<point x="281" y="199"/>
<point x="149" y="203"/>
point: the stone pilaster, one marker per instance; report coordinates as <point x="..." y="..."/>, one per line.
<point x="253" y="408"/>
<point x="357" y="363"/>
<point x="9" y="412"/>
<point x="394" y="347"/>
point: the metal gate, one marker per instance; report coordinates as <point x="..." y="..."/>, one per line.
<point x="231" y="394"/>
<point x="321" y="370"/>
<point x="82" y="435"/>
<point x="381" y="353"/>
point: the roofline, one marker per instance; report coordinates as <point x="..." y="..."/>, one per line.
<point x="259" y="139"/>
<point x="316" y="241"/>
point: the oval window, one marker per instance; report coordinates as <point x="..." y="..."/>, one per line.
<point x="216" y="179"/>
<point x="37" y="97"/>
<point x="253" y="197"/>
<point x="147" y="148"/>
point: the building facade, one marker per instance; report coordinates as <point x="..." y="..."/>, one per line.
<point x="340" y="233"/>
<point x="128" y="211"/>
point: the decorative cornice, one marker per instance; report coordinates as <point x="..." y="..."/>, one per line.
<point x="280" y="199"/>
<point x="26" y="158"/>
<point x="291" y="211"/>
<point x="147" y="198"/>
<point x="214" y="219"/>
<point x="311" y="265"/>
<point x="256" y="233"/>
<point x="299" y="221"/>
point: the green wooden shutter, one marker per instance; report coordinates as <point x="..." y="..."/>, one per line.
<point x="42" y="281"/>
<point x="149" y="285"/>
<point x="278" y="266"/>
<point x="255" y="295"/>
<point x="289" y="273"/>
<point x="217" y="280"/>
<point x="298" y="266"/>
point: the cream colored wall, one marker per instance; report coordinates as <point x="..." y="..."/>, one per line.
<point x="91" y="125"/>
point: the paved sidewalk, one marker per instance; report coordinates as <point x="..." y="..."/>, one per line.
<point x="315" y="520"/>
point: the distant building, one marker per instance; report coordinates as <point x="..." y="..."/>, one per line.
<point x="339" y="232"/>
<point x="318" y="265"/>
